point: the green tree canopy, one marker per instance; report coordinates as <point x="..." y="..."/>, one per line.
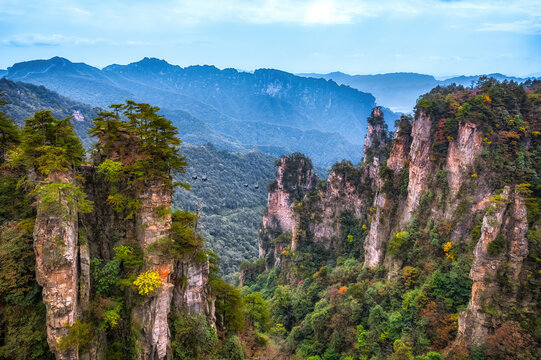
<point x="49" y="144"/>
<point x="155" y="136"/>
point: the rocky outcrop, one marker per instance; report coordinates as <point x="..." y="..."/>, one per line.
<point x="152" y="226"/>
<point x="339" y="195"/>
<point x="380" y="226"/>
<point x="294" y="178"/>
<point x="400" y="148"/>
<point x="376" y="140"/>
<point x="378" y="234"/>
<point x="55" y="246"/>
<point x="376" y="145"/>
<point x="84" y="276"/>
<point x="184" y="282"/>
<point x="505" y="223"/>
<point x="462" y="153"/>
<point x="461" y="176"/>
<point x="420" y="164"/>
<point x="191" y="291"/>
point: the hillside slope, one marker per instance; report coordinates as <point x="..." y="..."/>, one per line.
<point x="428" y="250"/>
<point x="26" y="99"/>
<point x="230" y="212"/>
<point x="230" y="205"/>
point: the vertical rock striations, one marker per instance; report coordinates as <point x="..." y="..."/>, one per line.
<point x="462" y="176"/>
<point x="420" y="164"/>
<point x="55" y="245"/>
<point x="502" y="248"/>
<point x="152" y="226"/>
<point x="294" y="178"/>
<point x="382" y="221"/>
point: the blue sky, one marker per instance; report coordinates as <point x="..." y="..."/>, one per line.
<point x="358" y="37"/>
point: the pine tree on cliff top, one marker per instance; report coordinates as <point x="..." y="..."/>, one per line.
<point x="156" y="138"/>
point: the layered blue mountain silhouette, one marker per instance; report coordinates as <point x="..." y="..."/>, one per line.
<point x="274" y="111"/>
<point x="399" y="91"/>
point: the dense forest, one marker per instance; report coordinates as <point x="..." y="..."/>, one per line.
<point x="230" y="199"/>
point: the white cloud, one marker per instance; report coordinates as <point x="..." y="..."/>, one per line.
<point x="519" y="26"/>
<point x="32" y="39"/>
<point x="517" y="15"/>
<point x="326" y="12"/>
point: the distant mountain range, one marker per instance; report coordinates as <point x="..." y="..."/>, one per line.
<point x="274" y="111"/>
<point x="399" y="91"/>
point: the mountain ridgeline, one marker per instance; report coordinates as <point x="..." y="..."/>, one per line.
<point x="268" y="109"/>
<point x="427" y="250"/>
<point x="400" y="91"/>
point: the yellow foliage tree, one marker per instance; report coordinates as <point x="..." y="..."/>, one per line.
<point x="148" y="282"/>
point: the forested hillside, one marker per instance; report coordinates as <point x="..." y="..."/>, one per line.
<point x="23" y="100"/>
<point x="230" y="201"/>
<point x="93" y="261"/>
<point x="429" y="249"/>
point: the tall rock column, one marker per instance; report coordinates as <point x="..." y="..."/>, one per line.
<point x="505" y="223"/>
<point x="55" y="246"/>
<point x="153" y="225"/>
<point x="294" y="178"/>
<point x="380" y="226"/>
<point x="420" y="166"/>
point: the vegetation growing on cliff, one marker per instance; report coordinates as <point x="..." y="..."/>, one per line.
<point x="22" y="312"/>
<point x="45" y="161"/>
<point x="329" y="305"/>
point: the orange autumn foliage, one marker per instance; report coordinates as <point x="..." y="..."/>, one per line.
<point x="441" y="327"/>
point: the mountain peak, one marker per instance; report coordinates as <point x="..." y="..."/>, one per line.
<point x="55" y="64"/>
<point x="152" y="61"/>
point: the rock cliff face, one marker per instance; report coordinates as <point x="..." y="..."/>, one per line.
<point x="151" y="227"/>
<point x="193" y="295"/>
<point x="64" y="260"/>
<point x="422" y="185"/>
<point x="380" y="226"/>
<point x="56" y="249"/>
<point x="294" y="178"/>
<point x="504" y="227"/>
<point x="184" y="282"/>
<point x="338" y="196"/>
<point x="420" y="163"/>
<point x="462" y="153"/>
<point x="376" y="144"/>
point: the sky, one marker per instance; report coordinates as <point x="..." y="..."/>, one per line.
<point x="439" y="37"/>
